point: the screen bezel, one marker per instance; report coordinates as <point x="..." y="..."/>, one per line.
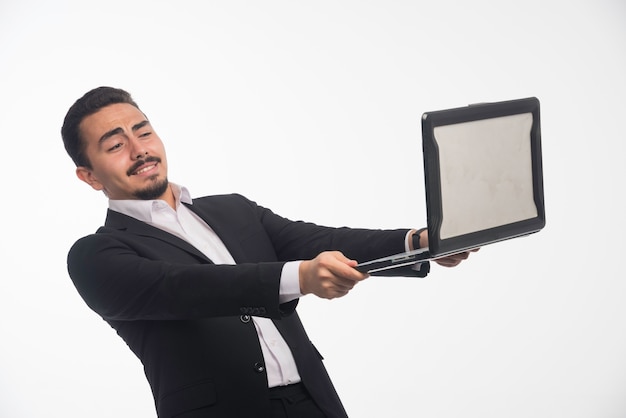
<point x="432" y="170"/>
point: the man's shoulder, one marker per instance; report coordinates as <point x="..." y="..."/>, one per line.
<point x="231" y="198"/>
<point x="103" y="233"/>
<point x="224" y="203"/>
<point x="116" y="227"/>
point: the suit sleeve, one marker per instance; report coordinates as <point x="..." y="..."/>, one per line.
<point x="298" y="240"/>
<point x="119" y="282"/>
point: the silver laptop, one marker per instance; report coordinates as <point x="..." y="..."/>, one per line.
<point x="483" y="176"/>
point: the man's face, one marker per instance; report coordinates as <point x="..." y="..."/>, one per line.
<point x="127" y="157"/>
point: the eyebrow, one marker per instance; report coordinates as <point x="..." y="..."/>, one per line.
<point x="117" y="131"/>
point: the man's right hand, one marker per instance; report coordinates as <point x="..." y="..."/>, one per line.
<point x="329" y="275"/>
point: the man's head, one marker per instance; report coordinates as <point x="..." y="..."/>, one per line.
<point x="114" y="146"/>
<point x="90" y="103"/>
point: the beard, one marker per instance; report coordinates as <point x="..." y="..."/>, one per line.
<point x="154" y="191"/>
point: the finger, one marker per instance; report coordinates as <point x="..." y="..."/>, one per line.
<point x="342" y="283"/>
<point x="459" y="256"/>
<point x="447" y="262"/>
<point x="454" y="259"/>
<point x="337" y="294"/>
<point x="333" y="287"/>
<point x="343" y="267"/>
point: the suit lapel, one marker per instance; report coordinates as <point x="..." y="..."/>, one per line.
<point x="216" y="220"/>
<point x="121" y="222"/>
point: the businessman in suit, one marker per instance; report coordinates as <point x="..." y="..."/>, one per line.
<point x="204" y="291"/>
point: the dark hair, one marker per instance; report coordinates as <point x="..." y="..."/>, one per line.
<point x="89" y="104"/>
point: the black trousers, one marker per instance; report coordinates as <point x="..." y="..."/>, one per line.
<point x="293" y="401"/>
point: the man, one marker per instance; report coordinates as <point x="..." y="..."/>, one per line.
<point x="204" y="290"/>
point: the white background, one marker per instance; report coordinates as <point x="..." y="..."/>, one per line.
<point x="307" y="108"/>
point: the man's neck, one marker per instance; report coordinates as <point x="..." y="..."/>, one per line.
<point x="168" y="197"/>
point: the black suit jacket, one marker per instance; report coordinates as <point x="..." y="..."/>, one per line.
<point x="188" y="320"/>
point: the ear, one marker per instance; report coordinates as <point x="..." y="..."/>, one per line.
<point x="87" y="175"/>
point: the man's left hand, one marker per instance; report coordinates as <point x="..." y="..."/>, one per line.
<point x="449" y="260"/>
<point x="454" y="259"/>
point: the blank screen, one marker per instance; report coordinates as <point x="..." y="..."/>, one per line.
<point x="486" y="173"/>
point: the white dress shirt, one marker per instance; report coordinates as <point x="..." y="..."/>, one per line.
<point x="185" y="224"/>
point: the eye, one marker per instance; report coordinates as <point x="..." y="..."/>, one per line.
<point x="116" y="146"/>
<point x="145" y="135"/>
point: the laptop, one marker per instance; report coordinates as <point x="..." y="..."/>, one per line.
<point x="483" y="177"/>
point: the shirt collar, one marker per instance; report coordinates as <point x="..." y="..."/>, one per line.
<point x="142" y="209"/>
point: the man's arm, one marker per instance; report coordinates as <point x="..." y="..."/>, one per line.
<point x="120" y="284"/>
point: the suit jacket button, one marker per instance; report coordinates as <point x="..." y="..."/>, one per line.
<point x="245" y="318"/>
<point x="259" y="367"/>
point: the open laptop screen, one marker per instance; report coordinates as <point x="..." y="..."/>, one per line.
<point x="483" y="174"/>
<point x="484" y="180"/>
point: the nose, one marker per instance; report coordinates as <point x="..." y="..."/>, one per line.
<point x="138" y="151"/>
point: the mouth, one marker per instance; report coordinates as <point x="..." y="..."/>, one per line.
<point x="144" y="169"/>
<point x="143" y="166"/>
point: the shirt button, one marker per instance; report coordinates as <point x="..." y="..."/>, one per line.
<point x="259" y="367"/>
<point x="245" y="318"/>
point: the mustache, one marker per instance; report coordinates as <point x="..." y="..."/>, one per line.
<point x="139" y="163"/>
